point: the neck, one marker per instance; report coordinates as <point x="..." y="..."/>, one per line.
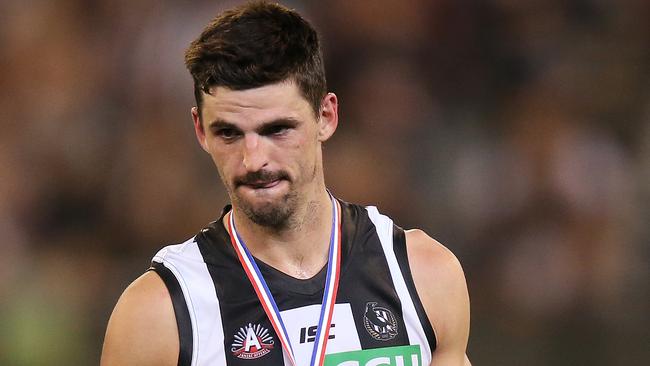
<point x="299" y="250"/>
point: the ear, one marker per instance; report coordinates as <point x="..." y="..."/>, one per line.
<point x="329" y="117"/>
<point x="198" y="128"/>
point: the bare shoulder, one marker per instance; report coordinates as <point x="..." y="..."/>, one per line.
<point x="436" y="271"/>
<point x="441" y="286"/>
<point x="422" y="247"/>
<point x="142" y="329"/>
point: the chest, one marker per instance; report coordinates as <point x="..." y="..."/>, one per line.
<point x="368" y="322"/>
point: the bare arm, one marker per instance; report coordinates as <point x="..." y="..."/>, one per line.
<point x="441" y="286"/>
<point x="142" y="330"/>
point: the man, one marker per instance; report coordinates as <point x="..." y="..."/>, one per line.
<point x="288" y="275"/>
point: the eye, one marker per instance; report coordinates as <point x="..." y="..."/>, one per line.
<point x="276" y="130"/>
<point x="227" y="133"/>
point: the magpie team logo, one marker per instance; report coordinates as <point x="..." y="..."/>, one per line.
<point x="379" y="322"/>
<point x="252" y="341"/>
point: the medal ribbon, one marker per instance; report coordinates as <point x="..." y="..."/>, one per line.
<point x="268" y="302"/>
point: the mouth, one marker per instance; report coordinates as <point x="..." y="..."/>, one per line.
<point x="262" y="181"/>
<point x="263" y="184"/>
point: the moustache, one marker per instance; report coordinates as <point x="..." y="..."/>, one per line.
<point x="260" y="177"/>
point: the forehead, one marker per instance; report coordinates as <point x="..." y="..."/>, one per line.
<point x="256" y="105"/>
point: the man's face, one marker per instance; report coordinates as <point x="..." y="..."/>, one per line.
<point x="266" y="144"/>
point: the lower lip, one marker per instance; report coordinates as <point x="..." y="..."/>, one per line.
<point x="272" y="184"/>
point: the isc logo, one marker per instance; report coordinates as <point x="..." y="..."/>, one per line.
<point x="308" y="334"/>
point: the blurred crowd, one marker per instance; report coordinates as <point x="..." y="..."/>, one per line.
<point x="517" y="133"/>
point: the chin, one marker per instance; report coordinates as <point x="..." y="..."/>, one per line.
<point x="269" y="215"/>
<point x="275" y="213"/>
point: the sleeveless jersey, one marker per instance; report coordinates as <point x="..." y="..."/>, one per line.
<point x="378" y="317"/>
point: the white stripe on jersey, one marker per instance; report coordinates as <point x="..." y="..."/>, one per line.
<point x="187" y="264"/>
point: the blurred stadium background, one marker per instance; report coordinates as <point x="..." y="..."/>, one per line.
<point x="515" y="132"/>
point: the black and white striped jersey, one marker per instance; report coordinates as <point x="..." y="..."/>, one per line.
<point x="378" y="317"/>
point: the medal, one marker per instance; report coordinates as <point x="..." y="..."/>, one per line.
<point x="268" y="302"/>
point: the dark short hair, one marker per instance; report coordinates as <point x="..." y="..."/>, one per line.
<point x="257" y="44"/>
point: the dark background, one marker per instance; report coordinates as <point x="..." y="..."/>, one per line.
<point x="515" y="132"/>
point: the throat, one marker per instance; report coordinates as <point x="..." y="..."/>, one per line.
<point x="301" y="252"/>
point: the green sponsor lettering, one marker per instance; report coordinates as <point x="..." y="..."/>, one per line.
<point x="388" y="356"/>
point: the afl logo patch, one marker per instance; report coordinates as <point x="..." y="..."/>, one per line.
<point x="379" y="322"/>
<point x="252" y="341"/>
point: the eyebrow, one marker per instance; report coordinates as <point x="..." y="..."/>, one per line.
<point x="220" y="123"/>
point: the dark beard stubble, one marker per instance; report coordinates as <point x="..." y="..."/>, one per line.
<point x="276" y="215"/>
<point x="272" y="215"/>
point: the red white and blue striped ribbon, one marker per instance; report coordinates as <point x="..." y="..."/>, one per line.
<point x="268" y="302"/>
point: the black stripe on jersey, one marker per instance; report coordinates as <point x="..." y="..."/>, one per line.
<point x="181" y="311"/>
<point x="399" y="247"/>
<point x="366" y="278"/>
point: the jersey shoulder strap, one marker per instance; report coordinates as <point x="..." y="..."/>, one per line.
<point x="196" y="306"/>
<point x="393" y="242"/>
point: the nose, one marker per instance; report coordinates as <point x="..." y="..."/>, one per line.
<point x="254" y="156"/>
